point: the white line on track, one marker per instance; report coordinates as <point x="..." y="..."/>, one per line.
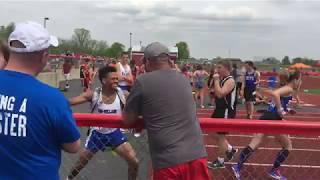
<point x="272" y="137"/>
<point x="301" y="117"/>
<point x="266" y="148"/>
<point x="283" y="165"/>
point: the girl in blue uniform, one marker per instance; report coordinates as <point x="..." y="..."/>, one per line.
<point x="249" y="85"/>
<point x="281" y="98"/>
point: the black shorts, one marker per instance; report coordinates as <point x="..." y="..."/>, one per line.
<point x="81" y="75"/>
<point x="218" y="113"/>
<point x="248" y="95"/>
<point x="270" y="116"/>
<point x="239" y="85"/>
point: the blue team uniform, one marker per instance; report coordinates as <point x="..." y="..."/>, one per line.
<point x="250" y="86"/>
<point x="272" y="112"/>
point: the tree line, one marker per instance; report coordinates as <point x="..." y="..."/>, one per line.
<point x="82" y="42"/>
<point x="286" y="61"/>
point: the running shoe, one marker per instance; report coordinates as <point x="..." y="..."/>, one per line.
<point x="236" y="171"/>
<point x="136" y="134"/>
<point x="215" y="165"/>
<point x="230" y="154"/>
<point x="275" y="174"/>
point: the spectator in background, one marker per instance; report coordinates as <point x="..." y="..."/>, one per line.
<point x="249" y="84"/>
<point x="185" y="71"/>
<point x="4" y="55"/>
<point x="210" y="84"/>
<point x="163" y="98"/>
<point x="199" y="77"/>
<point x="125" y="73"/>
<point x="38" y="117"/>
<point x="86" y="74"/>
<point x="298" y="88"/>
<point x="67" y="66"/>
<point x="238" y="76"/>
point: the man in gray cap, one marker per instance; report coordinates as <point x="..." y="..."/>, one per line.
<point x="35" y="119"/>
<point x="163" y="98"/>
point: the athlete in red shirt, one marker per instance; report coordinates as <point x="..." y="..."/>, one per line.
<point x="85" y="70"/>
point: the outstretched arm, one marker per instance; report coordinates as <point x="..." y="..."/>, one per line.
<point x="82" y="98"/>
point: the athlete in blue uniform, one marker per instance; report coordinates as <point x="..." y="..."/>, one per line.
<point x="250" y="82"/>
<point x="281" y="98"/>
<point x="106" y="100"/>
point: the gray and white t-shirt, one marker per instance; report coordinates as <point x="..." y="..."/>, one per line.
<point x="164" y="99"/>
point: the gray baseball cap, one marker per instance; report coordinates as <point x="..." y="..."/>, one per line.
<point x="155" y="49"/>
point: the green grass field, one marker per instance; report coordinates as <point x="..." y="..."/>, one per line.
<point x="312" y="91"/>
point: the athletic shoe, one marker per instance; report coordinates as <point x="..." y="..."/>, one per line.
<point x="215" y="165"/>
<point x="230" y="154"/>
<point x="236" y="171"/>
<point x="136" y="134"/>
<point x="275" y="174"/>
<point x="292" y="112"/>
<point x="124" y="131"/>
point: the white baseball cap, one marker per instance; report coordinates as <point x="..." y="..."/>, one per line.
<point x="33" y="36"/>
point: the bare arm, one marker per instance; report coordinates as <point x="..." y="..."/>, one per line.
<point x="82" y="98"/>
<point x="276" y="94"/>
<point x="225" y="89"/>
<point x="133" y="105"/>
<point x="119" y="72"/>
<point x="258" y="78"/>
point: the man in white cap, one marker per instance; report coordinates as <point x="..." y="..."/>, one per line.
<point x="35" y="119"/>
<point x="163" y="96"/>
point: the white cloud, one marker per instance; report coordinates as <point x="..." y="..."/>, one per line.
<point x="247" y="27"/>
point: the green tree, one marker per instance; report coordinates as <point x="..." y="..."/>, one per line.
<point x="115" y="50"/>
<point x="99" y="48"/>
<point x="271" y="60"/>
<point x="183" y="50"/>
<point x="81" y="40"/>
<point x="286" y="60"/>
<point x="5" y="31"/>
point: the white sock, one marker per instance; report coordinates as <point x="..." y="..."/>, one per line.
<point x="221" y="160"/>
<point x="229" y="148"/>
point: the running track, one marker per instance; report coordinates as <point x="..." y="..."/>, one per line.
<point x="303" y="162"/>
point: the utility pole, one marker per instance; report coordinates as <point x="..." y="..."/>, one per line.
<point x="45" y="22"/>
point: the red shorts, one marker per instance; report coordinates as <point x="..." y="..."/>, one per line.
<point x="193" y="170"/>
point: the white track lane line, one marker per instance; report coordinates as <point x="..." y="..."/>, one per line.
<point x="250" y="136"/>
<point x="266" y="148"/>
<point x="282" y="165"/>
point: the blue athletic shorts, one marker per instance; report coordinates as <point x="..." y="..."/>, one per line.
<point x="97" y="141"/>
<point x="125" y="88"/>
